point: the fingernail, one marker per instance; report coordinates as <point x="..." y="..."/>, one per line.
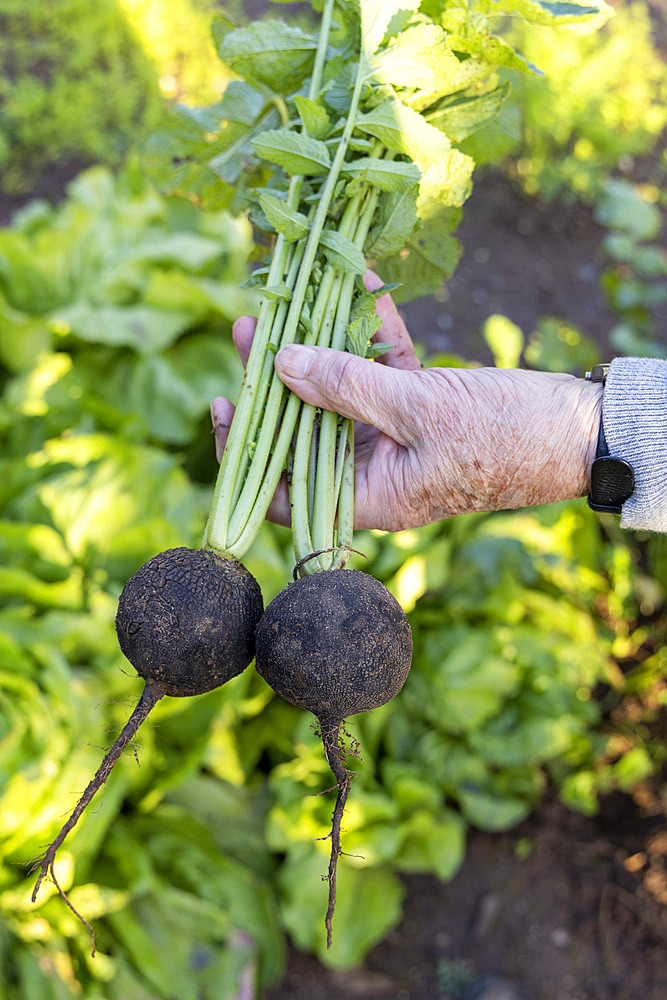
<point x="295" y="360"/>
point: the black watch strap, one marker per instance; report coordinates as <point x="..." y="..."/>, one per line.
<point x="612" y="478"/>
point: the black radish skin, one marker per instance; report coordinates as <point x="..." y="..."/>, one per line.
<point x="336" y="643"/>
<point x="187" y="618"/>
<point x="186" y="621"/>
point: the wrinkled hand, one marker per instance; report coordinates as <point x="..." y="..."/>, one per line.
<point x="430" y="443"/>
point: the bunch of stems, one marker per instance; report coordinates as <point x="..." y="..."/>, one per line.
<point x="272" y="428"/>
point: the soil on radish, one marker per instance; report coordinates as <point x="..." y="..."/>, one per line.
<point x="335" y="643"/>
<point x="187" y="618"/>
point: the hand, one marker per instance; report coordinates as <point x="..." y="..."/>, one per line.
<point x="401" y="356"/>
<point x="441" y="441"/>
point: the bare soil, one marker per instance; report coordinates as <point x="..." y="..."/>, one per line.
<point x="523" y="258"/>
<point x="565" y="907"/>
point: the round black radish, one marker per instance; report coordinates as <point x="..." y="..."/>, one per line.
<point x="187" y="619"/>
<point x="336" y="643"/>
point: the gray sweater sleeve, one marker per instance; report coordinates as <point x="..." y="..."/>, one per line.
<point x="634" y="414"/>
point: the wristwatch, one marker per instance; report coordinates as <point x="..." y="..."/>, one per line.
<point x="612" y="478"/>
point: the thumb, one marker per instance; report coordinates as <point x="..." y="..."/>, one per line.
<point x="352" y="386"/>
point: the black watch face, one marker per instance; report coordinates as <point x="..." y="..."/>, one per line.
<point x="612" y="482"/>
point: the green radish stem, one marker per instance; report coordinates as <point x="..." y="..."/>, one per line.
<point x="333" y="443"/>
<point x="238" y="511"/>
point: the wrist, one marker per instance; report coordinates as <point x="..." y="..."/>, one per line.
<point x="535" y="439"/>
<point x="578" y="436"/>
<point x="561" y="432"/>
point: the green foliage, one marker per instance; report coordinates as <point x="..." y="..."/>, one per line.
<point x="634" y="280"/>
<point x="196" y="864"/>
<point x="81" y="81"/>
<point x="601" y="102"/>
<point x="115" y="314"/>
<point x="413" y="81"/>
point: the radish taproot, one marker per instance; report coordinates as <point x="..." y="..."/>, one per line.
<point x="186" y="621"/>
<point x="335" y="643"/>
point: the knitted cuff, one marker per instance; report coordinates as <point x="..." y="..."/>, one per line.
<point x="634" y="414"/>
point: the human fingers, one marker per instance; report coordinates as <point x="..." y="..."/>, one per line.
<point x="243" y="331"/>
<point x="394" y="330"/>
<point x="222" y="412"/>
<point x="388" y="398"/>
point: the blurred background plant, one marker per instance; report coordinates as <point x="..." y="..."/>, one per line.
<point x="541" y="643"/>
<point x="599" y="107"/>
<point x="83" y="83"/>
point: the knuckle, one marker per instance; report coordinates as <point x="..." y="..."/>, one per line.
<point x="339" y="379"/>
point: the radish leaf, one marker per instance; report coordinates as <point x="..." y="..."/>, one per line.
<point x="315" y="119"/>
<point x="384" y="174"/>
<point x="403" y="130"/>
<point x="419" y="58"/>
<point x="397" y="219"/>
<point x="287" y="221"/>
<point x="342" y="252"/>
<point x="375" y="18"/>
<point x="296" y="154"/>
<point x="271" y="52"/>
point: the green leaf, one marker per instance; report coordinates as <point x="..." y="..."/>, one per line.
<point x="465" y="681"/>
<point x="492" y="812"/>
<point x="274" y="292"/>
<point x="364" y="324"/>
<point x="505" y="340"/>
<point x="396" y="219"/>
<point x="492" y="50"/>
<point x="493" y="141"/>
<point x="555" y="346"/>
<point x="276" y="54"/>
<point x="296" y="154"/>
<point x="621" y="206"/>
<point x="405" y="131"/>
<point x="377" y="349"/>
<point x="633" y="767"/>
<point x="376" y="16"/>
<point x="22" y="338"/>
<point x="35" y="547"/>
<point x="420" y="59"/>
<point x="204" y="298"/>
<point x="554" y="12"/>
<point x="108" y="489"/>
<point x="463" y="115"/>
<point x="434" y="842"/>
<point x="313" y="114"/>
<point x="446" y="182"/>
<point x="146" y="329"/>
<point x="191" y="251"/>
<point x="530" y="742"/>
<point x="291" y="224"/>
<point x="16" y="582"/>
<point x="430" y="255"/>
<point x="385" y="174"/>
<point x="342" y="252"/>
<point x="239" y="108"/>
